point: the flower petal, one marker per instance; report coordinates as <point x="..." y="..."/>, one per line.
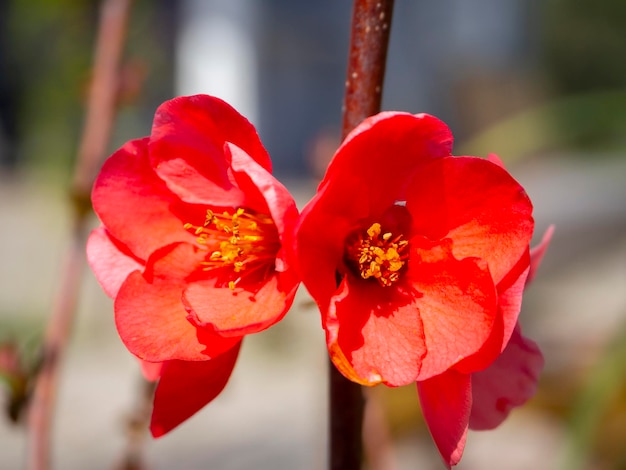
<point x="321" y="233"/>
<point x="446" y="402"/>
<point x="509" y="382"/>
<point x="510" y="291"/>
<point x="134" y="204"/>
<point x="478" y="205"/>
<point x="377" y="330"/>
<point x="537" y="252"/>
<point x="186" y="148"/>
<point x="186" y="387"/>
<point x="108" y="262"/>
<point x="255" y="180"/>
<point x="382" y="153"/>
<point x="456" y="302"/>
<point x="273" y="198"/>
<point x="238" y="312"/>
<point x="151" y="370"/>
<point x="150" y="317"/>
<point x="494" y="158"/>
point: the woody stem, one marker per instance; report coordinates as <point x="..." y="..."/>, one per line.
<point x="99" y="119"/>
<point x="371" y="24"/>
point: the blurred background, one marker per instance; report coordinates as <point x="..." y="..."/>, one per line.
<point x="541" y="83"/>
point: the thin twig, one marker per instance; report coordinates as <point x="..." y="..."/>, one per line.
<point x="98" y="123"/>
<point x="371" y="24"/>
<point x="103" y="94"/>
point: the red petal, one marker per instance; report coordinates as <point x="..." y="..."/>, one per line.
<point x="510" y="292"/>
<point x="478" y="205"/>
<point x="110" y="265"/>
<point x="493" y="158"/>
<point x="151" y="370"/>
<point x="187" y="148"/>
<point x="456" y="302"/>
<point x="186" y="387"/>
<point x="537" y="252"/>
<point x="382" y="153"/>
<point x="378" y="331"/>
<point x="150" y="317"/>
<point x="273" y="197"/>
<point x="238" y="312"/>
<point x="446" y="403"/>
<point x="509" y="382"/>
<point x="321" y="233"/>
<point x="134" y="204"/>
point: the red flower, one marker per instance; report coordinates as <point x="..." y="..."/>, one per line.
<point x="431" y="253"/>
<point x="192" y="249"/>
<point x="512" y="378"/>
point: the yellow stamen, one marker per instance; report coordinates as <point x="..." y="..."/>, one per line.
<point x="377" y="254"/>
<point x="236" y="240"/>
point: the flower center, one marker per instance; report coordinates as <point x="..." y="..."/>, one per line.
<point x="242" y="241"/>
<point x="377" y="255"/>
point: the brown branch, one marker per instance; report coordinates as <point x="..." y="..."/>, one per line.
<point x="136" y="427"/>
<point x="346" y="421"/>
<point x="371" y="24"/>
<point x="377" y="440"/>
<point x="93" y="146"/>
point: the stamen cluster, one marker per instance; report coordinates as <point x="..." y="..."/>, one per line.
<point x="237" y="239"/>
<point x="378" y="255"/>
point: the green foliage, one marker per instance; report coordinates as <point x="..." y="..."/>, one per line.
<point x="592" y="121"/>
<point x="583" y="44"/>
<point x="52" y="42"/>
<point x="599" y="408"/>
<point x="52" y="52"/>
